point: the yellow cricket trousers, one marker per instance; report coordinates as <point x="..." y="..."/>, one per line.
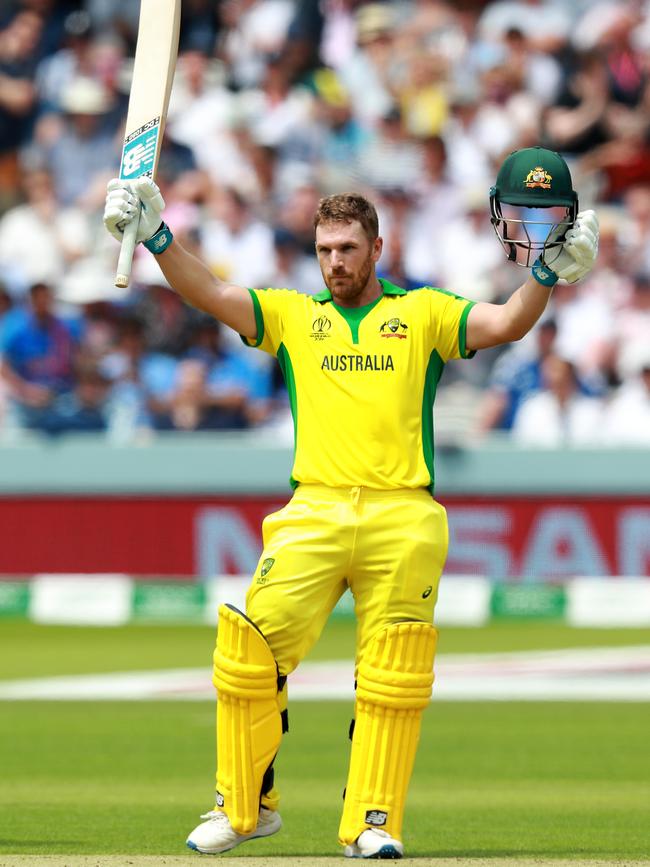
<point x="388" y="547"/>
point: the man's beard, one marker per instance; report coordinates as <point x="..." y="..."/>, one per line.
<point x="352" y="287"/>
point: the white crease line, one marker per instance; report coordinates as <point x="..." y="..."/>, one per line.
<point x="593" y="674"/>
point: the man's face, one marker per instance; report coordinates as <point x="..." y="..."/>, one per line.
<point x="41" y="300"/>
<point x="347" y="258"/>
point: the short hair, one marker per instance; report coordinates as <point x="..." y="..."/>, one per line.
<point x="346" y="208"/>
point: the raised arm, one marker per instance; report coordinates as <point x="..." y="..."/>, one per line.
<point x="185" y="273"/>
<point x="493" y="324"/>
<point x="194" y="282"/>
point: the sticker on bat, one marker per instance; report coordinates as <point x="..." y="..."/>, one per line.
<point x="139" y="153"/>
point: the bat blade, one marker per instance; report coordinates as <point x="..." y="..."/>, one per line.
<point x="153" y="74"/>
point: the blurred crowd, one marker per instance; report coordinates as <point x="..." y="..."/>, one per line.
<point x="275" y="103"/>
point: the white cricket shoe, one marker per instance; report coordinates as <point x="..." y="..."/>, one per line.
<point x="373" y="843"/>
<point x="217" y="834"/>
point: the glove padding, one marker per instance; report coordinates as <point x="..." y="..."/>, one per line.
<point x="124" y="199"/>
<point x="579" y="250"/>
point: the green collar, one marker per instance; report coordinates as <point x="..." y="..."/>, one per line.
<point x="387" y="289"/>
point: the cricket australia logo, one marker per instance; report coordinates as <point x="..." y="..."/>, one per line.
<point x="320" y="328"/>
<point x="394" y="328"/>
<point x="267" y="565"/>
<point x="538" y="177"/>
<point x="376" y="817"/>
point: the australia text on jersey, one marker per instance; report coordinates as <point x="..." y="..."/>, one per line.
<point x="357" y="362"/>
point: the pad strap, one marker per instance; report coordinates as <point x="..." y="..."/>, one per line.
<point x="393" y="687"/>
<point x="249" y="726"/>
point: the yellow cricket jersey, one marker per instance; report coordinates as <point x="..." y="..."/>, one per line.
<point x="362" y="381"/>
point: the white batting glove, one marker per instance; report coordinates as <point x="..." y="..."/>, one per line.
<point x="579" y="250"/>
<point x="123" y="201"/>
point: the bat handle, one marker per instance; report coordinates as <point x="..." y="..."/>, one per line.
<point x="126" y="253"/>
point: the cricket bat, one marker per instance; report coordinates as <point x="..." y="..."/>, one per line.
<point x="153" y="73"/>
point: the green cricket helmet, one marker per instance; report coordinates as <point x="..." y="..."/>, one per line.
<point x="533" y="178"/>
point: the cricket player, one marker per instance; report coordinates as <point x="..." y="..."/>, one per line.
<point x="361" y="360"/>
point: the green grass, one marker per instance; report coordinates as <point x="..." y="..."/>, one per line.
<point x="491" y="779"/>
<point x="545" y="780"/>
<point x="32" y="650"/>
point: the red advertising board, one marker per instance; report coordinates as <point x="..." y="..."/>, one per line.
<point x="504" y="537"/>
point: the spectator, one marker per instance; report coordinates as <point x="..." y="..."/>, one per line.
<point x="632" y="327"/>
<point x="18" y="59"/>
<point x="545" y="25"/>
<point x="367" y="73"/>
<point x="558" y="415"/>
<point x="38" y="359"/>
<point x="395" y="208"/>
<point x="516" y="376"/>
<point x="392" y="159"/>
<point x="469" y="162"/>
<point x="250" y="33"/>
<point x="166" y="320"/>
<point x="184" y="408"/>
<point x="585" y="328"/>
<point x="537" y="72"/>
<point x="202" y="114"/>
<point x="237" y="389"/>
<point x="80" y="151"/>
<point x="276" y="112"/>
<point x="470" y="275"/>
<point x="39" y="224"/>
<point x="423" y="98"/>
<point x="137" y="378"/>
<point x="437" y="203"/>
<point x="74" y="58"/>
<point x="293" y="269"/>
<point x="85" y="408"/>
<point x="6" y="308"/>
<point x="627" y="417"/>
<point x="11" y="316"/>
<point x="237" y="245"/>
<point x="578" y="122"/>
<point x="213" y="388"/>
<point x="342" y="138"/>
<point x="636" y="242"/>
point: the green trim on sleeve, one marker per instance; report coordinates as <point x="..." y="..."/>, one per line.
<point x="259" y="321"/>
<point x="284" y="360"/>
<point x="462" y="332"/>
<point x="434" y="371"/>
<point x="441" y="291"/>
